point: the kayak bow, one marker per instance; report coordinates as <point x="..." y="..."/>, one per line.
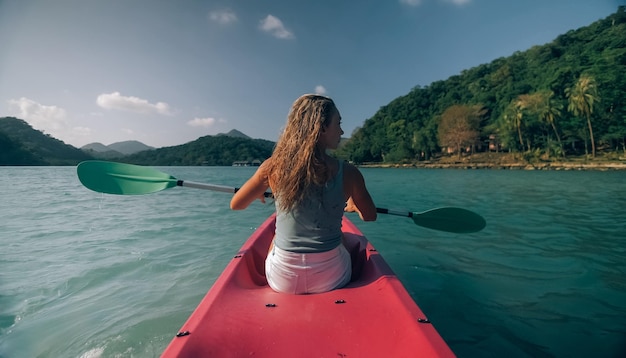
<point x="373" y="316"/>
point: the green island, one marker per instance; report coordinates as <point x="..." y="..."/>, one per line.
<point x="557" y="106"/>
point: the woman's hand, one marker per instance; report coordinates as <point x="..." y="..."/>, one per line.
<point x="350" y="207"/>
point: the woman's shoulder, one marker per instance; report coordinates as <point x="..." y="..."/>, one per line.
<point x="348" y="166"/>
<point x="263" y="171"/>
<point x="350" y="171"/>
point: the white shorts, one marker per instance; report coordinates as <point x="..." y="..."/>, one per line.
<point x="296" y="273"/>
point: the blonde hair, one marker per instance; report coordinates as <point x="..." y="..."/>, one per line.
<point x="297" y="164"/>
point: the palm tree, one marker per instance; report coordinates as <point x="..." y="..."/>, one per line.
<point x="521" y="105"/>
<point x="511" y="122"/>
<point x="582" y="97"/>
<point x="549" y="110"/>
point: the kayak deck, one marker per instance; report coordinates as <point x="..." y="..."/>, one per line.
<point x="373" y="316"/>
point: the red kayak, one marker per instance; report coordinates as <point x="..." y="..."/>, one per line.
<point x="373" y="316"/>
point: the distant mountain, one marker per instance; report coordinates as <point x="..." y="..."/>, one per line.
<point x="96" y="147"/>
<point x="234" y="134"/>
<point x="129" y="147"/>
<point x="21" y="144"/>
<point x="106" y="155"/>
<point x="123" y="148"/>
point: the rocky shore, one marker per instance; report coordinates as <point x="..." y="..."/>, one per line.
<point x="510" y="162"/>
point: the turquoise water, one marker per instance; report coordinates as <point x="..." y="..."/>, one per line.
<point x="84" y="274"/>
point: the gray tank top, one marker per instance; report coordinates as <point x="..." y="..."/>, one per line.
<point x="315" y="224"/>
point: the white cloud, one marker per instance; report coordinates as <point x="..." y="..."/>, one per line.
<point x="132" y="104"/>
<point x="223" y="17"/>
<point x="274" y="26"/>
<point x="75" y="135"/>
<point x="51" y="119"/>
<point x="319" y="89"/>
<point x="204" y="122"/>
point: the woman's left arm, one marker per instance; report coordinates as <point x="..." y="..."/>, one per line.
<point x="359" y="198"/>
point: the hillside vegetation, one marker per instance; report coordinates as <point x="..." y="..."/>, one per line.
<point x="207" y="150"/>
<point x="564" y="98"/>
<point x="20" y="144"/>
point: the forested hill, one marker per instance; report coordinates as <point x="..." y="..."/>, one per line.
<point x="567" y="97"/>
<point x="20" y="144"/>
<point x="207" y="150"/>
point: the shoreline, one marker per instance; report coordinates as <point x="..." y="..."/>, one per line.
<point x="598" y="166"/>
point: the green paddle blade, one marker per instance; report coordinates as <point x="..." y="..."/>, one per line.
<point x="122" y="179"/>
<point x="450" y="219"/>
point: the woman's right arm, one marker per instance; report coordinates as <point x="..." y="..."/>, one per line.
<point x="358" y="198"/>
<point x="253" y="189"/>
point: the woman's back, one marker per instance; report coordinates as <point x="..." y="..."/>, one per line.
<point x="314" y="225"/>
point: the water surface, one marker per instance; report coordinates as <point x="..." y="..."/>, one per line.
<point x="84" y="274"/>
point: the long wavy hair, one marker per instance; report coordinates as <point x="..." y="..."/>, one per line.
<point x="297" y="163"/>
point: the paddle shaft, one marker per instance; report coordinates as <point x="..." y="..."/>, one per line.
<point x="394" y="212"/>
<point x="222" y="188"/>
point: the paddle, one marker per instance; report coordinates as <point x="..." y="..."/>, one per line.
<point x="128" y="179"/>
<point x="450" y="219"/>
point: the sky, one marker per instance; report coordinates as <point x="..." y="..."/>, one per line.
<point x="166" y="72"/>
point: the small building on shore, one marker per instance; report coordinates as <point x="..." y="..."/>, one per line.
<point x="247" y="163"/>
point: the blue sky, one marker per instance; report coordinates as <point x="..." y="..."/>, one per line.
<point x="167" y="72"/>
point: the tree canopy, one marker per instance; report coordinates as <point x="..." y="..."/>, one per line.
<point x="459" y="127"/>
<point x="208" y="150"/>
<point x="20" y="144"/>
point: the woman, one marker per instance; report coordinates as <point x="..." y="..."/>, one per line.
<point x="312" y="190"/>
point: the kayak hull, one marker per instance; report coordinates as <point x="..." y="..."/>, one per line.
<point x="373" y="316"/>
